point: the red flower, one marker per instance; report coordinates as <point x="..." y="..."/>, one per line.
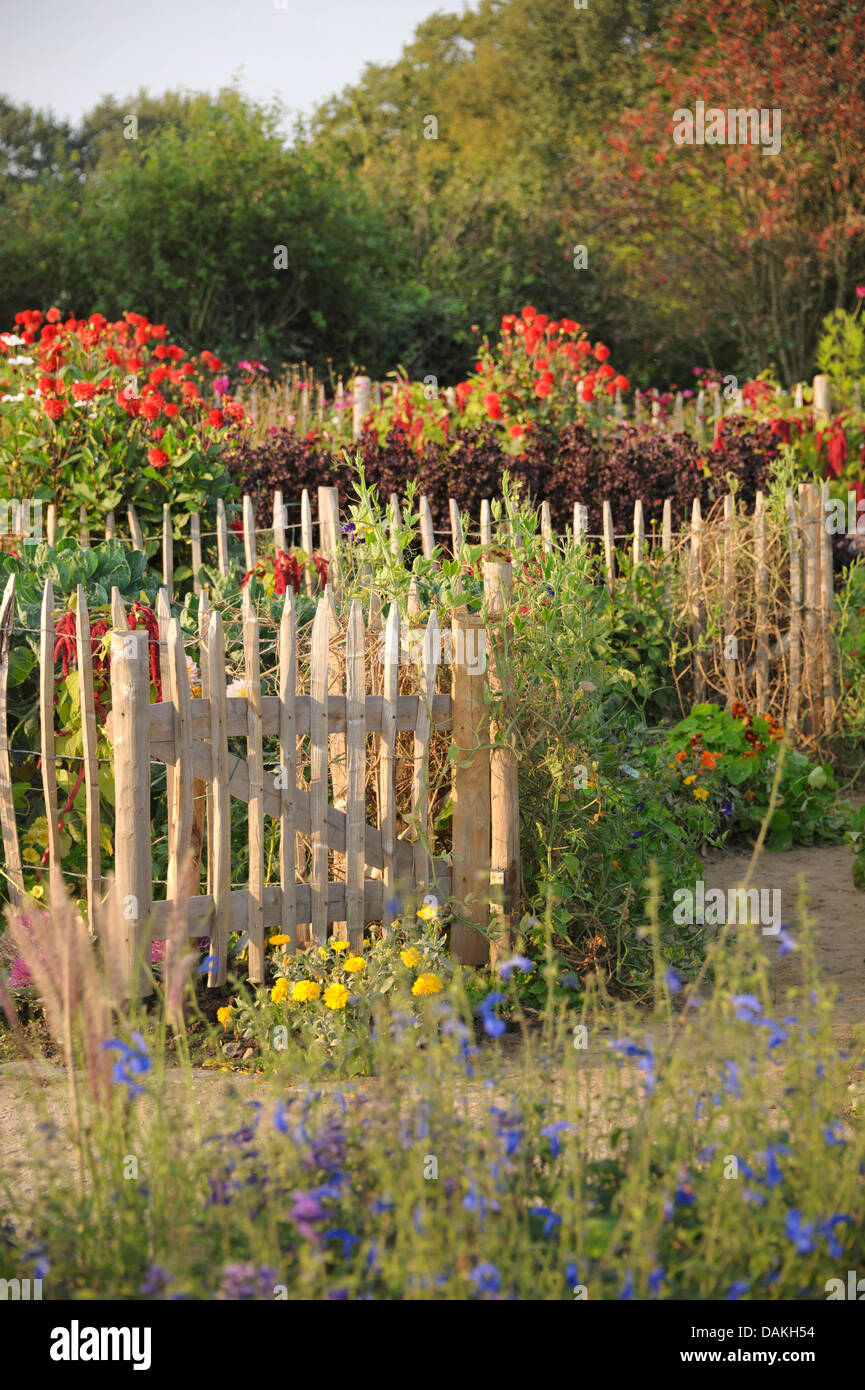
<point x="157" y="458"/>
<point x="493" y="405"/>
<point x="517" y="431"/>
<point x="543" y="388"/>
<point x="84" y="390"/>
<point x="529" y="313"/>
<point x="602" y="352"/>
<point x="211" y="362"/>
<point x="55" y="409"/>
<point x="587" y="393"/>
<point x="171" y="410"/>
<point x="233" y="409"/>
<point x="621" y="383"/>
<point x="216" y="419"/>
<point x="151" y="405"/>
<point x="53" y="315"/>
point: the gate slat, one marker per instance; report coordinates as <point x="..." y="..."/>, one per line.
<point x="184" y="780"/>
<point x="288" y="766"/>
<point x="46" y="728"/>
<point x="11" y="848"/>
<point x="255" y="763"/>
<point x="219" y="847"/>
<point x="387" y="762"/>
<point x="318" y="675"/>
<point x="355" y="758"/>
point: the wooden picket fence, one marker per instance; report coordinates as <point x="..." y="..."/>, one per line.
<point x="321" y="735"/>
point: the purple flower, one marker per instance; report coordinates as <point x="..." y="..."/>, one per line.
<point x="244" y="1281"/>
<point x="672" y="981"/>
<point x="726" y="808"/>
<point x="516" y="962"/>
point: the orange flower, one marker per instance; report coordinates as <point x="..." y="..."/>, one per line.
<point x="709" y="761"/>
<point x="681" y="755"/>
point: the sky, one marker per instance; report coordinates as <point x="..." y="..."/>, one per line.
<point x="64" y="55"/>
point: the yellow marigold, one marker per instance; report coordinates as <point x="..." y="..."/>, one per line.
<point x="305" y="990"/>
<point x="280" y="940"/>
<point x="339" y="945"/>
<point x="280" y="991"/>
<point x="427" y="983"/>
<point x="353" y="964"/>
<point x="427" y="912"/>
<point x="689" y="780"/>
<point x="336" y="996"/>
<point x="410" y="957"/>
<point x="701" y="793"/>
<point x="224" y="1015"/>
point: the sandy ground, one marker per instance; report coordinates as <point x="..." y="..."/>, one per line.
<point x="838" y="907"/>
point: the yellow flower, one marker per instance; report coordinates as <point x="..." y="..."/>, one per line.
<point x="701" y="793"/>
<point x="280" y="940"/>
<point x="689" y="780"/>
<point x="336" y="996"/>
<point x="671" y="766"/>
<point x="322" y="953"/>
<point x="305" y="990"/>
<point x="37" y="891"/>
<point x="280" y="991"/>
<point x="339" y="945"/>
<point x="354" y="963"/>
<point x="427" y="912"/>
<point x="411" y="957"/>
<point x="224" y="1015"/>
<point x="426" y="984"/>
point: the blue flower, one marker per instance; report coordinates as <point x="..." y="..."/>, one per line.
<point x="493" y="1025"/>
<point x="833" y="1135"/>
<point x="657" y="1277"/>
<point x="786" y="944"/>
<point x="685" y="1195"/>
<point x="737" y="1289"/>
<point x="486" y="1278"/>
<point x="516" y="962"/>
<point x="572" y="1275"/>
<point x="727" y="810"/>
<point x="672" y="981"/>
<point x="133" y="1062"/>
<point x="628" y="1287"/>
<point x="393" y="906"/>
<point x="800" y="1232"/>
<point x="747" y="1006"/>
<point x="209" y="963"/>
<point x="551" y="1219"/>
<point x="552" y="1133"/>
<point x="348" y="1240"/>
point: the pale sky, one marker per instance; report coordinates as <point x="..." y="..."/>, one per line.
<point x="64" y="55"/>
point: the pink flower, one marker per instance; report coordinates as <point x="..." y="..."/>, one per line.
<point x="19" y="975"/>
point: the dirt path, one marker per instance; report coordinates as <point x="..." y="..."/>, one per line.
<point x="837" y="906"/>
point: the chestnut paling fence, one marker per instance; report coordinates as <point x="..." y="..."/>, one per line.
<point x="322" y="762"/>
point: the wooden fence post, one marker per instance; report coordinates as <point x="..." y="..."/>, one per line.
<point x="387" y="763"/>
<point x="427" y="534"/>
<point x="195" y="546"/>
<point x="827" y="605"/>
<point x="761" y="585"/>
<point x="47" y="742"/>
<point x="182" y="813"/>
<point x="306" y="541"/>
<point x="361" y="404"/>
<point x="456" y="528"/>
<point x="287" y="771"/>
<point x="278" y="523"/>
<point x="130" y="702"/>
<point x="795" y="668"/>
<point x="328" y="529"/>
<point x="609" y="549"/>
<point x="167" y="552"/>
<point x="471" y="792"/>
<point x="486" y="523"/>
<point x="639" y="533"/>
<point x="11" y="849"/>
<point x="318" y="680"/>
<point x="135" y="530"/>
<point x="809" y="506"/>
<point x="504" y="769"/>
<point x="250" y="555"/>
<point x="698" y="615"/>
<point x="729" y="598"/>
<point x="222" y="538"/>
<point x="546" y="528"/>
<point x="255" y="769"/>
<point x="88" y="750"/>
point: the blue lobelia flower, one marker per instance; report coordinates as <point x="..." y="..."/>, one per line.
<point x="833" y="1134"/>
<point x="552" y="1133"/>
<point x="657" y="1277"/>
<point x="493" y="1025"/>
<point x="737" y="1289"/>
<point x="486" y="1277"/>
<point x="133" y="1062"/>
<point x="516" y="962"/>
<point x="551" y="1219"/>
<point x="800" y="1232"/>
